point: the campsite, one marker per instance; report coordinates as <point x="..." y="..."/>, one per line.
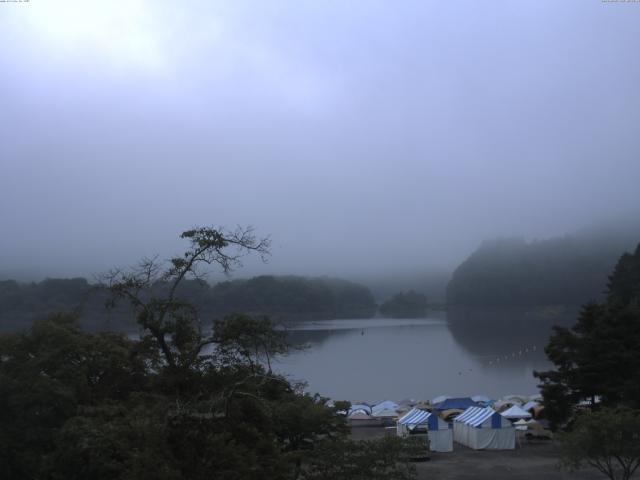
<point x="478" y="443"/>
<point x="320" y="240"/>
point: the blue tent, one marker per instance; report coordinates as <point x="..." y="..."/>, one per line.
<point x="460" y="403"/>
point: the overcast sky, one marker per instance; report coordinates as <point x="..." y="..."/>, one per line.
<point x="363" y="136"/>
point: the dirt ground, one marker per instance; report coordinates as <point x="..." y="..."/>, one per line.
<point x="535" y="460"/>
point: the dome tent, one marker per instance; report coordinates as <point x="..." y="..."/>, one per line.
<point x="461" y="403"/>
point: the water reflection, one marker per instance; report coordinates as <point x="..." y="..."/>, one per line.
<point x="505" y="331"/>
<point x="463" y="352"/>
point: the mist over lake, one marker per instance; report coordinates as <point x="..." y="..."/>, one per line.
<point x="479" y="351"/>
<point x="218" y="216"/>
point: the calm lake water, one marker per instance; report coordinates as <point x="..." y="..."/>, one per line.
<point x="458" y="353"/>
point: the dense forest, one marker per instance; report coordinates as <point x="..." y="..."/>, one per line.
<point x="569" y="270"/>
<point x="283" y="297"/>
<point x="405" y="305"/>
<point x="289" y="296"/>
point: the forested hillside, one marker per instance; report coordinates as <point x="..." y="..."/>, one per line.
<point x="289" y="297"/>
<point x="569" y="270"/>
<point x="405" y="305"/>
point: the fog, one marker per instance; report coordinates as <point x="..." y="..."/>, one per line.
<point x="365" y="137"/>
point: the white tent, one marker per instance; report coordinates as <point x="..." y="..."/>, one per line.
<point x="515" y="412"/>
<point x="519" y="399"/>
<point x="521" y="425"/>
<point x="529" y="405"/>
<point x="386" y="406"/>
<point x="385" y="413"/>
<point x="439" y="432"/>
<point x="360" y="407"/>
<point x="481" y="399"/>
<point x="484" y="428"/>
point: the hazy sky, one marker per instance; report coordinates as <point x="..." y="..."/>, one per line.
<point x="362" y="136"/>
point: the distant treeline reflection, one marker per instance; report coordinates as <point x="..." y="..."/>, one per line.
<point x="498" y="332"/>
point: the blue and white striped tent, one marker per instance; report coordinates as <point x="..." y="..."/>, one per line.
<point x="481" y="428"/>
<point x="439" y="432"/>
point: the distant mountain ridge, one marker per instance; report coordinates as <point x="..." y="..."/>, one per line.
<point x="568" y="270"/>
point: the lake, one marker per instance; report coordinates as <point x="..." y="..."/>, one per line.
<point x="459" y="352"/>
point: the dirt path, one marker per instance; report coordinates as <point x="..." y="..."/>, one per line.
<point x="533" y="460"/>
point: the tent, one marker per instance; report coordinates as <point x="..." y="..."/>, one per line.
<point x="484" y="428"/>
<point x="439" y="432"/>
<point x="462" y="403"/>
<point x="530" y="405"/>
<point x="439" y="399"/>
<point x="360" y="407"/>
<point x="451" y="413"/>
<point x="515" y="412"/>
<point x="481" y="399"/>
<point x="387" y="405"/>
<point x="385" y="413"/>
<point x="521" y="425"/>
<point x="502" y="405"/>
<point x="410" y="402"/>
<point x="519" y="399"/>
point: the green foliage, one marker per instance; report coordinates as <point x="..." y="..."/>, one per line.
<point x="240" y="337"/>
<point x="608" y="440"/>
<point x="182" y="401"/>
<point x="405" y="305"/>
<point x="365" y="460"/>
<point x="624" y="282"/>
<point x="599" y="356"/>
<point x="46" y="375"/>
<point x="79" y="405"/>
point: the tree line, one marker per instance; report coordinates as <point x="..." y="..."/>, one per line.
<point x="283" y="297"/>
<point x="287" y="297"/>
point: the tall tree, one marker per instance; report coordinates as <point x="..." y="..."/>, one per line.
<point x="166" y="319"/>
<point x="598" y="358"/>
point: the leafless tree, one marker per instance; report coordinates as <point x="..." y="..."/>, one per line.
<point x="152" y="289"/>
